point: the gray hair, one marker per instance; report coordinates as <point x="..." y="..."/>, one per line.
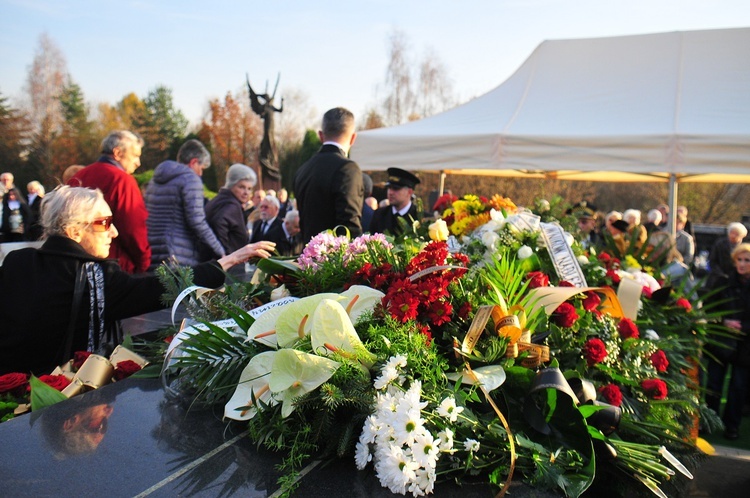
<point x="291" y="215"/>
<point x="238" y="172"/>
<point x="737" y="227"/>
<point x="68" y="206"/>
<point x="193" y="149"/>
<point x="273" y="200"/>
<point x="633" y="214"/>
<point x="654" y="216"/>
<point x="337" y="122"/>
<point x="120" y="139"/>
<point x="38" y="186"/>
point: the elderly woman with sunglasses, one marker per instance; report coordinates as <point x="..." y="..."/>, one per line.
<point x="66" y="296"/>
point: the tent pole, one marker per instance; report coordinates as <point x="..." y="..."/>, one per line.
<point x="441" y="185"/>
<point x="671" y="226"/>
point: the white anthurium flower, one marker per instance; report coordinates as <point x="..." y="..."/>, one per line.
<point x="294" y="373"/>
<point x="360" y="299"/>
<point x="332" y="330"/>
<point x="651" y="334"/>
<point x="254" y="383"/>
<point x="490" y="376"/>
<point x="490" y="240"/>
<point x="263" y="329"/>
<point x="582" y="260"/>
<point x="294" y="322"/>
<point x="524" y="252"/>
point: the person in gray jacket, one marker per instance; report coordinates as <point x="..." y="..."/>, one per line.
<point x="177" y="223"/>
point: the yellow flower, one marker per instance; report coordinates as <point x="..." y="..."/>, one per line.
<point x="438" y="231"/>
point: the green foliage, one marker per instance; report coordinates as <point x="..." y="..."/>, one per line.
<point x="294" y="156"/>
<point x="43" y="395"/>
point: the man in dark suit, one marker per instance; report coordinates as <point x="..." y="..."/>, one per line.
<point x="269" y="225"/>
<point x="291" y="245"/>
<point x="400" y="187"/>
<point x="328" y="187"/>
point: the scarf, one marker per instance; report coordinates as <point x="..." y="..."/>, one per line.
<point x="95" y="277"/>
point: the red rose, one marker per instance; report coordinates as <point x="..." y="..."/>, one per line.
<point x="655" y="388"/>
<point x="13" y="382"/>
<point x="594" y="351"/>
<point x="604" y="257"/>
<point x="612" y="394"/>
<point x="79" y="357"/>
<point x="614" y="276"/>
<point x="565" y="315"/>
<point x="564" y="283"/>
<point x="646" y="292"/>
<point x="659" y="361"/>
<point x="537" y="279"/>
<point x="684" y="303"/>
<point x="627" y="329"/>
<point x="125" y="369"/>
<point x="59" y="382"/>
<point x="592" y="301"/>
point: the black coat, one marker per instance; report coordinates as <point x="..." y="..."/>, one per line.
<point x="35" y="223"/>
<point x="329" y="193"/>
<point x="224" y="216"/>
<point x="385" y="220"/>
<point x="5" y="229"/>
<point x="36" y="297"/>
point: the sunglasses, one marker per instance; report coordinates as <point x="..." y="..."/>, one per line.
<point x="101" y="224"/>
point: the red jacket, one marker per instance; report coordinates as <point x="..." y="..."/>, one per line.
<point x="130" y="247"/>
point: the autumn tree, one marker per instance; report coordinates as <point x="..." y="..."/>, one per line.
<point x="44" y="85"/>
<point x="235" y="133"/>
<point x="411" y="95"/>
<point x="14" y="134"/>
<point x="77" y="141"/>
<point x="159" y="123"/>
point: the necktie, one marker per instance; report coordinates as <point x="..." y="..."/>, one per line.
<point x="263" y="227"/>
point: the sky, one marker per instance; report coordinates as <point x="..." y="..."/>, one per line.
<point x="333" y="52"/>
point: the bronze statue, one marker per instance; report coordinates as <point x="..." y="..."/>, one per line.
<point x="262" y="105"/>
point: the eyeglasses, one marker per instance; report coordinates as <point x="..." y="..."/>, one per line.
<point x="101" y="224"/>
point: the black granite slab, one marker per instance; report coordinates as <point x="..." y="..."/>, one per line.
<point x="129" y="439"/>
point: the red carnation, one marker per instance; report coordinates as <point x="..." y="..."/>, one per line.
<point x="612" y="394"/>
<point x="537" y="279"/>
<point x="12" y="382"/>
<point x="79" y="357"/>
<point x="627" y="329"/>
<point x="125" y="369"/>
<point x="594" y="351"/>
<point x="59" y="382"/>
<point x="659" y="361"/>
<point x="684" y="303"/>
<point x="655" y="388"/>
<point x="592" y="301"/>
<point x="565" y="315"/>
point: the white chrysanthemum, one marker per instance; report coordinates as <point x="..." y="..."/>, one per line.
<point x="387" y="376"/>
<point x="651" y="335"/>
<point x="448" y="409"/>
<point x="425" y="450"/>
<point x="446" y="440"/>
<point x="396" y="470"/>
<point x="524" y="252"/>
<point x="406" y="426"/>
<point x="490" y="240"/>
<point x="370" y="429"/>
<point x="471" y="445"/>
<point x="362" y="455"/>
<point x="424" y="484"/>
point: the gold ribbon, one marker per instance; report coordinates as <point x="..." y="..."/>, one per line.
<point x="97" y="371"/>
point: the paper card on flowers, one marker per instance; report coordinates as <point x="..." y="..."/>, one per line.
<point x="253" y="383"/>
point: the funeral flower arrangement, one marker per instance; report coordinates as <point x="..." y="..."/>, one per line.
<point x="503" y="353"/>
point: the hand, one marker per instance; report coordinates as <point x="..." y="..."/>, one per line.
<point x="262" y="249"/>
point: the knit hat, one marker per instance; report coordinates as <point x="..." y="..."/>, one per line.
<point x="238" y="172"/>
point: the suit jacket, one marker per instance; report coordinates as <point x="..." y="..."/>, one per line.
<point x="275" y="232"/>
<point x="35" y="223"/>
<point x="329" y="193"/>
<point x="131" y="247"/>
<point x="290" y="246"/>
<point x="384" y="220"/>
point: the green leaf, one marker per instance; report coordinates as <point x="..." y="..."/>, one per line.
<point x="43" y="395"/>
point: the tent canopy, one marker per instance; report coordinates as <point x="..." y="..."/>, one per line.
<point x="657" y="107"/>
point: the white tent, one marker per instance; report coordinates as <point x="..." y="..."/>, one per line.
<point x="659" y="107"/>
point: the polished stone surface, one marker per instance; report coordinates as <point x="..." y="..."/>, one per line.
<point x="128" y="439"/>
